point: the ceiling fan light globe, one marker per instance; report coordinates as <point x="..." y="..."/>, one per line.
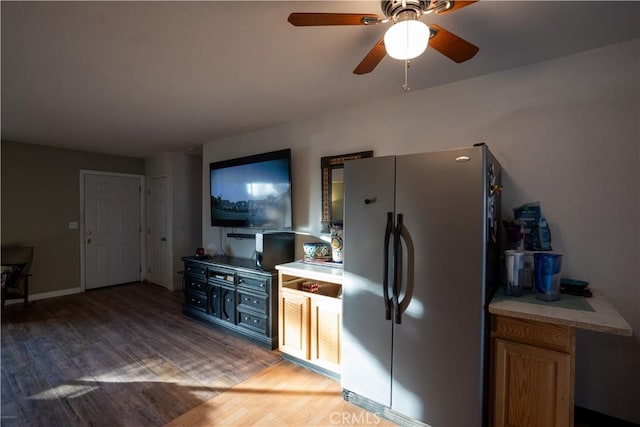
<point x="406" y="39"/>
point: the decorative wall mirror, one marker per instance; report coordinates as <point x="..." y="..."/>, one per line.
<point x="333" y="187"/>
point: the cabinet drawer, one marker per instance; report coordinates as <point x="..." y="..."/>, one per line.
<point x="195" y="269"/>
<point x="255" y="322"/>
<point x="255" y="283"/>
<point x="192" y="284"/>
<point x="555" y="337"/>
<point x="196" y="300"/>
<point x="252" y="301"/>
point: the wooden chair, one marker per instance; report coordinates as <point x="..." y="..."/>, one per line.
<point x="16" y="261"/>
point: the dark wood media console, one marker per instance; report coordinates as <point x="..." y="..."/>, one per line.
<point x="233" y="294"/>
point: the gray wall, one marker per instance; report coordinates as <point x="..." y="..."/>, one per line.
<point x="187" y="227"/>
<point x="566" y="133"/>
<point x="40" y="196"/>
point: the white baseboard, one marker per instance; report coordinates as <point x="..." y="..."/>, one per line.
<point x="45" y="295"/>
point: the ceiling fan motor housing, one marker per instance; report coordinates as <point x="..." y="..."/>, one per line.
<point x="393" y="8"/>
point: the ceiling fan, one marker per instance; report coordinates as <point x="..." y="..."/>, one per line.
<point x="407" y="38"/>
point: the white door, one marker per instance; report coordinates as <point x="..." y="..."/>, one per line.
<point x="112" y="230"/>
<point x="157" y="233"/>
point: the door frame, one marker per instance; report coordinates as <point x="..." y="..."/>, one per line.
<point x="141" y="181"/>
<point x="169" y="214"/>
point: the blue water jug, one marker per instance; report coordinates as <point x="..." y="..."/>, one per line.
<point x="546" y="269"/>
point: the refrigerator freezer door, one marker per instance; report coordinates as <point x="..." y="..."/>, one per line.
<point x="438" y="346"/>
<point x="366" y="355"/>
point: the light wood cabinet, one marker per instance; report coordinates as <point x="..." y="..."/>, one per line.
<point x="533" y="373"/>
<point x="533" y="357"/>
<point x="310" y="323"/>
<point x="326" y="332"/>
<point x="293" y="330"/>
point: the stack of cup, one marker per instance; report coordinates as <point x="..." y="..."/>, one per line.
<point x="514" y="261"/>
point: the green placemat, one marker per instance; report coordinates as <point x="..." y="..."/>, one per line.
<point x="572" y="302"/>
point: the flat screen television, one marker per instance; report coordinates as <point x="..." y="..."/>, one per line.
<point x="252" y="191"/>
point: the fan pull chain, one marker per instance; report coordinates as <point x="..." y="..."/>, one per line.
<point x="405" y="86"/>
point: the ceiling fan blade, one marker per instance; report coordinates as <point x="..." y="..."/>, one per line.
<point x="450" y="45"/>
<point x="457" y="4"/>
<point x="372" y="59"/>
<point x="312" y="19"/>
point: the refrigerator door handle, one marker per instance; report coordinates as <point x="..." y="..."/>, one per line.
<point x="385" y="280"/>
<point x="397" y="272"/>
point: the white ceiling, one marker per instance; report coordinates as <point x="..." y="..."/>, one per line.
<point x="139" y="78"/>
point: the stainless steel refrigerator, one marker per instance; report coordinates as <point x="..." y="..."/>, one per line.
<point x="421" y="262"/>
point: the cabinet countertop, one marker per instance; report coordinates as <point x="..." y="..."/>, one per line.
<point x="240" y="264"/>
<point x="312" y="271"/>
<point x="605" y="318"/>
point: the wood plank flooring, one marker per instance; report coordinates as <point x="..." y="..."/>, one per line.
<point x="119" y="356"/>
<point x="281" y="395"/>
<point x="126" y="356"/>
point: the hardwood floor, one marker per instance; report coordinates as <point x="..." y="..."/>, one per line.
<point x="126" y="356"/>
<point x="282" y="395"/>
<point x="119" y="356"/>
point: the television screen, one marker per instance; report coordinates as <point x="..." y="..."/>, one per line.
<point x="252" y="192"/>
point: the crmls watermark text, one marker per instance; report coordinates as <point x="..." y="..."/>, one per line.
<point x="352" y="418"/>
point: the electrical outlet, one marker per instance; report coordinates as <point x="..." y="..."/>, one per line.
<point x="73" y="225"/>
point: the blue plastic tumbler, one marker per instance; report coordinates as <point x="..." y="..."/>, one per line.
<point x="546" y="268"/>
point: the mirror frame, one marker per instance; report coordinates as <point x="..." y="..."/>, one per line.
<point x="328" y="164"/>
